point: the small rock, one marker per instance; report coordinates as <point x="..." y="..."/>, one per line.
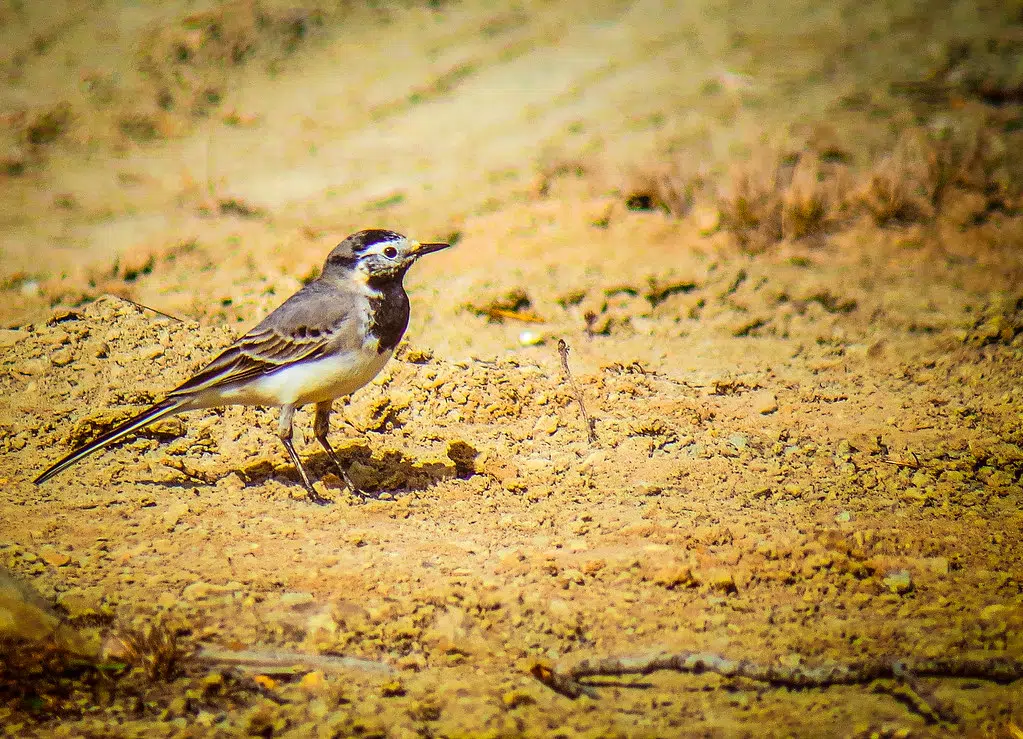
<point x="322" y="624"/>
<point x="11" y="337"/>
<point x="199" y="589"/>
<point x="899" y="582"/>
<point x="706" y="218"/>
<point x="861" y="599"/>
<point x="166" y="600"/>
<point x="312" y="682"/>
<point x="510" y="558"/>
<point x="515" y="698"/>
<point x="678" y="576"/>
<point x="33" y="366"/>
<point x="546" y="424"/>
<point x="649" y="489"/>
<point x="720" y="580"/>
<point x="738" y="441"/>
<point x="791" y="660"/>
<point x="593" y="566"/>
<point x="81" y="602"/>
<point x="293" y="600"/>
<point x="151" y="352"/>
<point x="531" y="338"/>
<point x="61" y="357"/>
<point x="175" y="512"/>
<point x="163" y="546"/>
<point x="561" y="610"/>
<point x="52" y="557"/>
<point x="213" y="680"/>
<point x="938" y="565"/>
<point x="574" y="576"/>
<point x="765" y="403"/>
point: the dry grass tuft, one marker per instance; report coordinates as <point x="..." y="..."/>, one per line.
<point x="904" y="186"/>
<point x="804" y="195"/>
<point x="155" y="648"/>
<point x="671" y="188"/>
<point x="815" y="199"/>
<point x="926" y="169"/>
<point x="976" y="160"/>
<point x="751" y="205"/>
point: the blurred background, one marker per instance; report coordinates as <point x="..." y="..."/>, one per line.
<point x="781" y="239"/>
<point x="260" y="133"/>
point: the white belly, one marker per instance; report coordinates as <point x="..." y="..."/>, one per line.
<point x="311" y="382"/>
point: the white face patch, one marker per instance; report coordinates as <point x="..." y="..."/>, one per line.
<point x="360" y="277"/>
<point x="384" y="259"/>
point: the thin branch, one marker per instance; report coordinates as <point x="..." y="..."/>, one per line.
<point x="274" y="661"/>
<point x="1002" y="670"/>
<point x="196" y="475"/>
<point x="149" y="308"/>
<point x="591" y="432"/>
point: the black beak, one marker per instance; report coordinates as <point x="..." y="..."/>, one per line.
<point x="423" y="249"/>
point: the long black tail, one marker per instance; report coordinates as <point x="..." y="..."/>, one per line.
<point x="153" y="413"/>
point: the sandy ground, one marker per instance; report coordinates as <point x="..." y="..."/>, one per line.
<point x="808" y="428"/>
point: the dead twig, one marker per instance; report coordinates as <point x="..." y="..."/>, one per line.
<point x="913" y="465"/>
<point x="526" y="316"/>
<point x="879" y="674"/>
<point x="591" y="432"/>
<point x="916" y="700"/>
<point x="140" y="306"/>
<point x="194" y="475"/>
<point x="272" y="661"/>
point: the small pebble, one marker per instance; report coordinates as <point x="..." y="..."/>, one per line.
<point x="515" y="698"/>
<point x="720" y="580"/>
<point x="765" y="403"/>
<point x="293" y="600"/>
<point x="707" y="219"/>
<point x="11" y="337"/>
<point x="61" y="357"/>
<point x="81" y="602"/>
<point x="531" y="338"/>
<point x="312" y="682"/>
<point x="546" y="424"/>
<point x="899" y="582"/>
<point x="54" y="558"/>
<point x="152" y="352"/>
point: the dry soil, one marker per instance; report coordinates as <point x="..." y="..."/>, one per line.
<point x="805" y="386"/>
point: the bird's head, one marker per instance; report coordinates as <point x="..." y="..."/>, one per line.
<point x="375" y="255"/>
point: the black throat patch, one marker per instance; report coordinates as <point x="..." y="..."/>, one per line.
<point x="389" y="313"/>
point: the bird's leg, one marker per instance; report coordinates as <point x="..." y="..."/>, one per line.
<point x="321" y="427"/>
<point x="284" y="430"/>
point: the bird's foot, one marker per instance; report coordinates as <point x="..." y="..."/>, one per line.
<point x="319" y="499"/>
<point x="364" y="495"/>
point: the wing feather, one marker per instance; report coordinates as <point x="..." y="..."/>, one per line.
<point x="315" y="321"/>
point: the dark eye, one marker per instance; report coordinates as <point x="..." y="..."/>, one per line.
<point x="390" y="252"/>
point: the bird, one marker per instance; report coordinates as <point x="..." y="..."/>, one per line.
<point x="325" y="342"/>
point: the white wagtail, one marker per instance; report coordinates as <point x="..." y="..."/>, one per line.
<point x="326" y="341"/>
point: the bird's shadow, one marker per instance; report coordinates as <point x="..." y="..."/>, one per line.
<point x="393" y="471"/>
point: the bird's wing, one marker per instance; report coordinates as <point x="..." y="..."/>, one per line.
<point x="317" y="320"/>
